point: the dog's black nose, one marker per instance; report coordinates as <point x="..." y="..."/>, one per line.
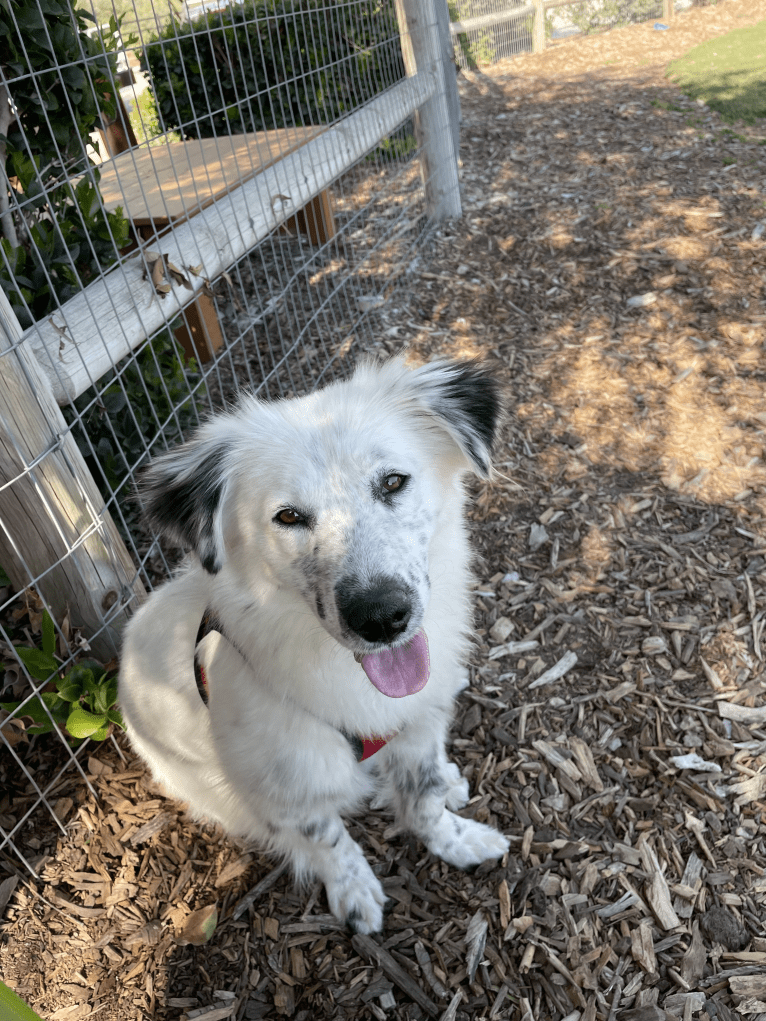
<point x="379" y="613"/>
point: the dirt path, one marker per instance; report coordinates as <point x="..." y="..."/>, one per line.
<point x="623" y="51"/>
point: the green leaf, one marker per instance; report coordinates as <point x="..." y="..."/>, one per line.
<point x="114" y="400"/>
<point x="84" y="724"/>
<point x="39" y="664"/>
<point x="101" y="734"/>
<point x="111" y="692"/>
<point x="14" y="1009"/>
<point x="81" y="674"/>
<point x="99" y="699"/>
<point x="114" y="716"/>
<point x="70" y="692"/>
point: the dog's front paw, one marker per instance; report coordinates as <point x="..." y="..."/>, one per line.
<point x="457" y="793"/>
<point x="465" y="843"/>
<point x="356" y="897"/>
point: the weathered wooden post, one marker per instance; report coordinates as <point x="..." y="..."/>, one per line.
<point x="55" y="532"/>
<point x="668" y="10"/>
<point x="538" y="28"/>
<point x="427" y="46"/>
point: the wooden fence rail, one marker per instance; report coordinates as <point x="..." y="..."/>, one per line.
<point x="533" y="10"/>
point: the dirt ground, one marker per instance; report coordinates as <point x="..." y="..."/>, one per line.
<point x="611" y="267"/>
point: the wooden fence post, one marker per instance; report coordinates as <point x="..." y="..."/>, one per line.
<point x="538" y="28"/>
<point x="668" y="10"/>
<point x="55" y="532"/>
<point x="427" y="45"/>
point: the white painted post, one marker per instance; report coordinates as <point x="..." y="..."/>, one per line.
<point x="427" y="45"/>
<point x="538" y="28"/>
<point x="55" y="531"/>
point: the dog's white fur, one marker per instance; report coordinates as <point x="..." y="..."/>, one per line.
<point x="269" y="758"/>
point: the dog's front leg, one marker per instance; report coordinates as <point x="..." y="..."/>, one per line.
<point x="319" y="846"/>
<point x="423" y="783"/>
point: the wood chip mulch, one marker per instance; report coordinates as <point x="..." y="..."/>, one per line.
<point x="611" y="267"/>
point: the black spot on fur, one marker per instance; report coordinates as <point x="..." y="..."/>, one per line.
<point x="182" y="495"/>
<point x="429" y="780"/>
<point x="320" y="608"/>
<point x="315" y="831"/>
<point x="353" y="919"/>
<point x="409" y="784"/>
<point x="357" y="745"/>
<point x="469" y="400"/>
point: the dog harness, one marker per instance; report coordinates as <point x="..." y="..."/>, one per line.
<point x="362" y="747"/>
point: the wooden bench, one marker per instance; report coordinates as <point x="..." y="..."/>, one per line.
<point x="164" y="185"/>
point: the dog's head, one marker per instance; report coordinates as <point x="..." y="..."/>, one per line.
<point x="334" y="497"/>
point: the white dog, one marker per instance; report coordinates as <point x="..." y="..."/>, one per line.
<point x="309" y="656"/>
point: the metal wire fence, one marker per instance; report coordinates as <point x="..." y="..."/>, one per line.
<point x="234" y="216"/>
<point x="486" y="31"/>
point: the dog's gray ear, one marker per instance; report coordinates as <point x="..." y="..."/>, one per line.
<point x="466" y="400"/>
<point x="183" y="493"/>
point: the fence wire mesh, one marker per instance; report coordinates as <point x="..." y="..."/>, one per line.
<point x="486" y="31"/>
<point x="141" y="257"/>
<point x="494" y="30"/>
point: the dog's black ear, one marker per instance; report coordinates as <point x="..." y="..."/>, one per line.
<point x="466" y="399"/>
<point x="183" y="492"/>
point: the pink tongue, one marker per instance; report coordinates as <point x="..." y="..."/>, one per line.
<point x="402" y="671"/>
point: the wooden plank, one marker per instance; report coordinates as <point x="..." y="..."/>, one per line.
<point x="114" y="314"/>
<point x="427" y="46"/>
<point x="200" y="333"/>
<point x="168" y="183"/>
<point x="53" y="522"/>
<point x="118" y="135"/>
<point x="315" y="220"/>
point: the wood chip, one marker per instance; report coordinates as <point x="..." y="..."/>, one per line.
<point x="557" y="671"/>
<point x="366" y="947"/>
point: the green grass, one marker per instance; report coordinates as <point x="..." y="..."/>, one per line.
<point x="139" y="14"/>
<point x="727" y="73"/>
<point x="146" y="125"/>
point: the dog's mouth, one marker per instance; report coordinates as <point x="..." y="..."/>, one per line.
<point x="399" y="671"/>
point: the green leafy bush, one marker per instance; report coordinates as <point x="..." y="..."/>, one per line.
<point x="480" y="51"/>
<point x="81" y="702"/>
<point x="60" y="237"/>
<point x="123" y="417"/>
<point x="272" y="63"/>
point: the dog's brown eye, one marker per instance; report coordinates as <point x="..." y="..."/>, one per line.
<point x="393" y="482"/>
<point x="289" y="517"/>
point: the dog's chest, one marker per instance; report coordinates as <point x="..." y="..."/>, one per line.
<point x="364" y="742"/>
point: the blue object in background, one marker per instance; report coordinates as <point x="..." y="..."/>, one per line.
<point x="660" y="27"/>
